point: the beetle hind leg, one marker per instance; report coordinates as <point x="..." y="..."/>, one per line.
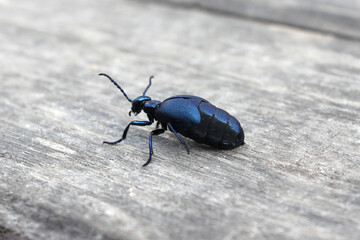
<point x="180" y="139"/>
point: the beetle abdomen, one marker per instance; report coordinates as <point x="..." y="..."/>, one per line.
<point x="217" y="128"/>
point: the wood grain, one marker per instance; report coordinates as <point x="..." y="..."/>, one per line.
<point x="296" y="94"/>
<point x="334" y="17"/>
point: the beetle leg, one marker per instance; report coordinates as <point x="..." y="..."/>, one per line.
<point x="154" y="132"/>
<point x="136" y="123"/>
<point x="180" y="139"/>
<point x="157" y="125"/>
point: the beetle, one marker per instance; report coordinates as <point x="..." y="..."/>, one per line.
<point x="190" y="116"/>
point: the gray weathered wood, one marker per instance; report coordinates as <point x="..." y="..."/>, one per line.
<point x="340" y="18"/>
<point x="297" y="95"/>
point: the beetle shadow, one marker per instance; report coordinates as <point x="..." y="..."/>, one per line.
<point x="209" y="148"/>
<point x="204" y="147"/>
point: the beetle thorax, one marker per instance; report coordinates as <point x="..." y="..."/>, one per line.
<point x="151" y="106"/>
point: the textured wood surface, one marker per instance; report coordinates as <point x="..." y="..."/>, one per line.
<point x="296" y="93"/>
<point x="334" y="17"/>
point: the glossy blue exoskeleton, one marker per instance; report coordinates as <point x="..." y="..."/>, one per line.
<point x="191" y="116"/>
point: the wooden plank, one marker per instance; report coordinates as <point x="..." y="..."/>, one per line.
<point x="336" y="17"/>
<point x="6" y="234"/>
<point x="295" y="92"/>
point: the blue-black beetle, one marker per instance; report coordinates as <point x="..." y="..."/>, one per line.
<point x="191" y="116"/>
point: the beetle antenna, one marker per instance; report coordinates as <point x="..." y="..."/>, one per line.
<point x="117" y="85"/>
<point x="147" y="88"/>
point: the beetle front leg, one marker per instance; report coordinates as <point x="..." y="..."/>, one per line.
<point x="136" y="123"/>
<point x="154" y="132"/>
<point x="180" y="139"/>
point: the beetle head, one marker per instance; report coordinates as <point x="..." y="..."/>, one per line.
<point x="138" y="104"/>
